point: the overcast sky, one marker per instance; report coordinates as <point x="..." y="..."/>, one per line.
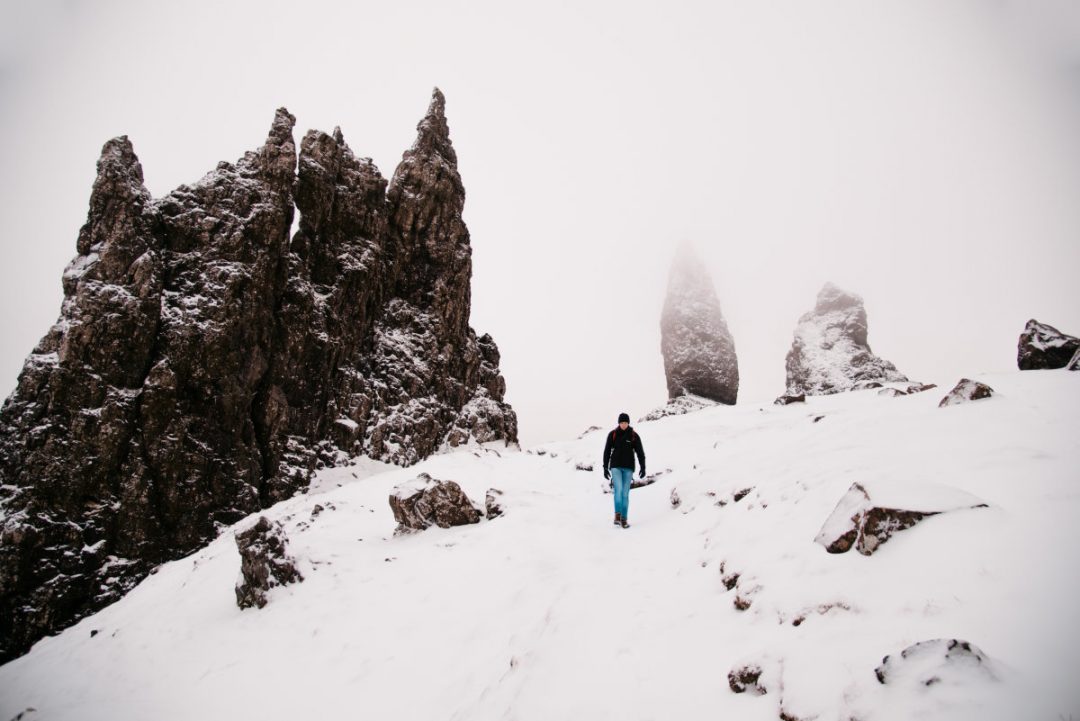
<point x="923" y="154"/>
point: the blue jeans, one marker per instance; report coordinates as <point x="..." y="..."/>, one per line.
<point x="620" y="482"/>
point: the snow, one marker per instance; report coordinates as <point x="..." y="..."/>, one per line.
<point x="551" y="612"/>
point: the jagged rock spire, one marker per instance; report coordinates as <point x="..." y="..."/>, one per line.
<point x="830" y="352"/>
<point x="699" y="352"/>
<point x="203" y="365"/>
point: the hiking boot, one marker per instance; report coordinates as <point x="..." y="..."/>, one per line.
<point x="618" y="519"/>
<point x="625" y="524"/>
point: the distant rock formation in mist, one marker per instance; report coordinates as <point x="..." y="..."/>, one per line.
<point x="699" y="352"/>
<point x="1043" y="346"/>
<point x="205" y="364"/>
<point x="830" y="353"/>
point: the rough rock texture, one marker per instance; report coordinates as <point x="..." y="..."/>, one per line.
<point x="788" y="400"/>
<point x="965" y="391"/>
<point x="493" y="503"/>
<point x="678" y="407"/>
<point x="1074" y="364"/>
<point x="928" y="663"/>
<point x="264" y="562"/>
<point x="830" y="353"/>
<point x="204" y="365"/>
<point x="1043" y="346"/>
<point x="425" y="501"/>
<point x="865" y="519"/>
<point x="747" y="679"/>
<point x="891" y="392"/>
<point x="699" y="353"/>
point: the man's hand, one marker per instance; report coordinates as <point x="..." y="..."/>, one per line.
<point x="641" y="473"/>
<point x="607" y="474"/>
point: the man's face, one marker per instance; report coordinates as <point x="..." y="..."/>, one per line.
<point x="624" y="425"/>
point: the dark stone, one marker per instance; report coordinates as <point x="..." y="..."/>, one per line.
<point x="426" y="501"/>
<point x="861" y="523"/>
<point x="699" y="352"/>
<point x="965" y="391"/>
<point x="788" y="400"/>
<point x="739" y="495"/>
<point x="493" y="503"/>
<point x="830" y="353"/>
<point x="747" y="679"/>
<point x="920" y="387"/>
<point x="205" y="365"/>
<point x="1043" y="346"/>
<point x="584" y="467"/>
<point x="1074" y="364"/>
<point x="264" y="562"/>
<point x="675" y="500"/>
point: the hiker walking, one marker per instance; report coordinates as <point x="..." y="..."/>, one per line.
<point x="622" y="444"/>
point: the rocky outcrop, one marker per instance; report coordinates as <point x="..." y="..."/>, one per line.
<point x="205" y="364"/>
<point x="830" y="353"/>
<point x="425" y="501"/>
<point x="966" y="391"/>
<point x="678" y="407"/>
<point x="699" y="352"/>
<point x="1074" y="364"/>
<point x="868" y="515"/>
<point x="264" y="562"/>
<point x="926" y="664"/>
<point x="1043" y="346"/>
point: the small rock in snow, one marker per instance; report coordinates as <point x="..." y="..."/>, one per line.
<point x="966" y="390"/>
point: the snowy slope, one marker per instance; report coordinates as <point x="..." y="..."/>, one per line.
<point x="550" y="612"/>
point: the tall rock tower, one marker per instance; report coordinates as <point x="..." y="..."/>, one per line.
<point x="205" y="364"/>
<point x="830" y="353"/>
<point x="699" y="352"/>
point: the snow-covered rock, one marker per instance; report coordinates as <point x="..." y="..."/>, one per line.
<point x="1044" y="346"/>
<point x="787" y="400"/>
<point x="699" y="352"/>
<point x="944" y="662"/>
<point x="1074" y="364"/>
<point x="678" y="407"/>
<point x="205" y="364"/>
<point x="965" y="391"/>
<point x="425" y="501"/>
<point x="865" y="518"/>
<point x="264" y="562"/>
<point x="493" y="503"/>
<point x="830" y="353"/>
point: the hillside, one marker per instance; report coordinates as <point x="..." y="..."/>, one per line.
<point x="550" y="612"/>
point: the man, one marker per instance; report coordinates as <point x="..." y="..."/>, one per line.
<point x="622" y="444"/>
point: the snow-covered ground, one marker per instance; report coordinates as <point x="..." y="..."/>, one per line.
<point x="550" y="612"/>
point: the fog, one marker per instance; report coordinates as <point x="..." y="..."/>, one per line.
<point x="922" y="154"/>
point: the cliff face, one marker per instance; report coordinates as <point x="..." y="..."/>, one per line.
<point x="699" y="352"/>
<point x="830" y="352"/>
<point x="204" y="365"/>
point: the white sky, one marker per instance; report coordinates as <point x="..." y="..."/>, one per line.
<point x="921" y="153"/>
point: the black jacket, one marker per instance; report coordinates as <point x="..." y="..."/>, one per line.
<point x="620" y="449"/>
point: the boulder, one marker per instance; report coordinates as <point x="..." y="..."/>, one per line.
<point x="966" y="391"/>
<point x="699" y="352"/>
<point x="1043" y="346"/>
<point x="264" y="562"/>
<point x="747" y="679"/>
<point x="870" y="513"/>
<point x="830" y="353"/>
<point x="1074" y="364"/>
<point x="678" y="407"/>
<point x="493" y="503"/>
<point x="948" y="662"/>
<point x="426" y="501"/>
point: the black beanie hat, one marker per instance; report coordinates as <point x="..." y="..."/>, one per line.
<point x="624" y="417"/>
